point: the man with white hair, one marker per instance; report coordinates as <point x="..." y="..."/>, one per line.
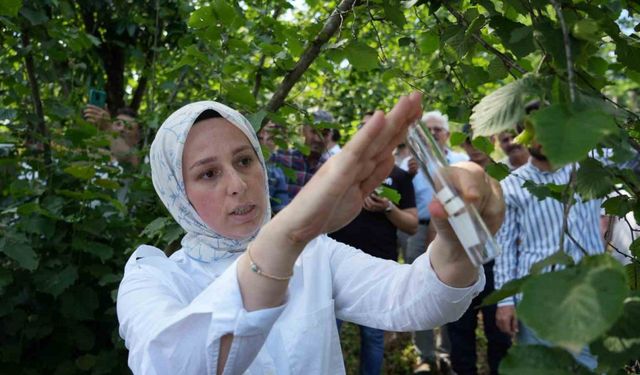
<point x="438" y="124"/>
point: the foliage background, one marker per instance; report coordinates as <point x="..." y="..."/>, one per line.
<point x="69" y="219"/>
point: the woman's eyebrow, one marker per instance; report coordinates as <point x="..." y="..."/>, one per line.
<point x="242" y="148"/>
<point x="206" y="160"/>
<point x="211" y="159"/>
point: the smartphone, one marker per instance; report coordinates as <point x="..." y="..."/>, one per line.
<point x="471" y="230"/>
<point x="97" y="97"/>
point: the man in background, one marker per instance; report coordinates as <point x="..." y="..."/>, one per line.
<point x="304" y="166"/>
<point x="531" y="232"/>
<point x="278" y="194"/>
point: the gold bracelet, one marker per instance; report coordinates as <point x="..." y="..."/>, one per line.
<point x="256" y="269"/>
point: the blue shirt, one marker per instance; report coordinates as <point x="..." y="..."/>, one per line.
<point x="278" y="194"/>
<point x="531" y="228"/>
<point x="423" y="189"/>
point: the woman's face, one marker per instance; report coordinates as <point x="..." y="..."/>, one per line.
<point x="223" y="178"/>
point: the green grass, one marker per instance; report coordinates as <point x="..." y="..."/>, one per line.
<point x="400" y="355"/>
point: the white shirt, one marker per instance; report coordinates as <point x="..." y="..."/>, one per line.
<point x="173" y="311"/>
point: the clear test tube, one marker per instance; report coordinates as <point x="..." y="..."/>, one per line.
<point x="471" y="230"/>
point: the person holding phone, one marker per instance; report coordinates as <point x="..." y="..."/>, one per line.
<point x="124" y="127"/>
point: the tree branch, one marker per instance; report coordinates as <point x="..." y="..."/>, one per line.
<point x="375" y="30"/>
<point x="41" y="127"/>
<point x="506" y="60"/>
<point x="308" y="56"/>
<point x="567" y="50"/>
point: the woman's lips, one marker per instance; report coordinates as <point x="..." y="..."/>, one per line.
<point x="244" y="213"/>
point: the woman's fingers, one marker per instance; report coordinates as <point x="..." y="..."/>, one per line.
<point x="379" y="173"/>
<point x="383" y="133"/>
<point x="474" y="186"/>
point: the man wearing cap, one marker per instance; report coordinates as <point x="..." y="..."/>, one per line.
<point x="438" y="124"/>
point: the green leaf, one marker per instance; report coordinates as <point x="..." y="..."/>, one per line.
<point x="5" y="278"/>
<point x="100" y="250"/>
<point x="483" y="144"/>
<point x="201" y="18"/>
<point x="537" y="360"/>
<point x="289" y="173"/>
<point x="477" y="24"/>
<point x="361" y="56"/>
<point x="597" y="65"/>
<point x="457" y="138"/>
<point x="586" y="29"/>
<point x="256" y="119"/>
<point x="635" y="247"/>
<point x="10" y="8"/>
<point x="240" y="94"/>
<point x="55" y="282"/>
<point x="593" y="180"/>
<point x="497" y="70"/>
<point x="225" y="11"/>
<point x="428" y="43"/>
<point x="79" y="303"/>
<point x="499" y="171"/>
<point x="509" y="289"/>
<point x="544" y="191"/>
<point x="515" y="36"/>
<point x="618" y="206"/>
<point x="621" y="344"/>
<point x="393" y="12"/>
<point x="80" y="132"/>
<point x="17" y="247"/>
<point x="82" y="170"/>
<point x="568" y="134"/>
<point x="559" y="257"/>
<point x="628" y="54"/>
<point x="35" y="16"/>
<point x="389" y="193"/>
<point x="474" y="75"/>
<point x="405" y="41"/>
<point x="633" y="275"/>
<point x="107" y="184"/>
<point x="172" y="232"/>
<point x="155" y="228"/>
<point x="39" y="225"/>
<point x="502" y="109"/>
<point x="572" y="307"/>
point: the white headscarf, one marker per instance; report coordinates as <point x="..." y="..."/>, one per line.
<point x="200" y="242"/>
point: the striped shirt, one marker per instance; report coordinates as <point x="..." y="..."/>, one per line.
<point x="531" y="228"/>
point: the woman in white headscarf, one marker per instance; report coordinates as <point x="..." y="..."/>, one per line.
<point x="246" y="294"/>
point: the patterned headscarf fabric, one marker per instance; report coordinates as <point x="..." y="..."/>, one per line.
<point x="200" y="242"/>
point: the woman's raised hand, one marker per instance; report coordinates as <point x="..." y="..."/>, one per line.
<point x="334" y="196"/>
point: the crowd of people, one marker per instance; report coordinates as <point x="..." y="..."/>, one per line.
<point x="387" y="230"/>
<point x="280" y="251"/>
